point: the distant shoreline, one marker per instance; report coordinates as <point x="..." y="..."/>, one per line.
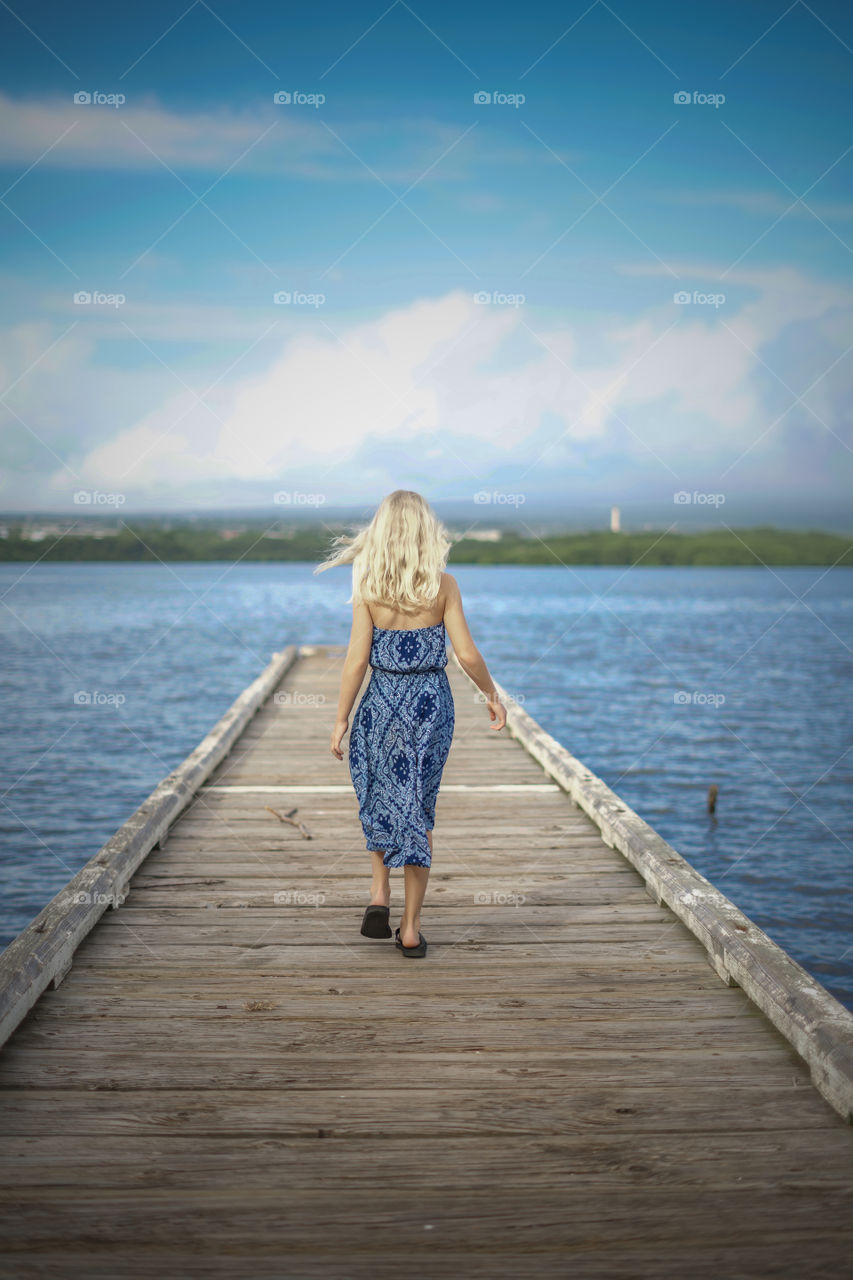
<point x="717" y="548"/>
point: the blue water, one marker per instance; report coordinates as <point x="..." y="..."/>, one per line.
<point x="662" y="681"/>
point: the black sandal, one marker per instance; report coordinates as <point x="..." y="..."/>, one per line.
<point x="375" y="923"/>
<point x="412" y="953"/>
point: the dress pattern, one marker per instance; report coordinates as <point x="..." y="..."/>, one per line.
<point x="399" y="741"/>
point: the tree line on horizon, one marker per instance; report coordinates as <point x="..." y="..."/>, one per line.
<point x="717" y="547"/>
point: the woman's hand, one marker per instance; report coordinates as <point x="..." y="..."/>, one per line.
<point x="338" y="732"/>
<point x="497" y="712"/>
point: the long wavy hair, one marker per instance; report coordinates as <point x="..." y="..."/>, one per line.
<point x="397" y="560"/>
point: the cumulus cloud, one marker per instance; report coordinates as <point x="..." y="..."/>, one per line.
<point x="453" y="389"/>
<point x="456" y="386"/>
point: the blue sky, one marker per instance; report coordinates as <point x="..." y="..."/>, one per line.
<point x="482" y="295"/>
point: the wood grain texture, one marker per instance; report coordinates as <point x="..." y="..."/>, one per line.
<point x="231" y="1081"/>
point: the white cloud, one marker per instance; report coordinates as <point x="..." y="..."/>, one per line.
<point x="278" y="141"/>
<point x="765" y="204"/>
<point x="265" y="138"/>
<point x="57" y="132"/>
<point x="449" y="383"/>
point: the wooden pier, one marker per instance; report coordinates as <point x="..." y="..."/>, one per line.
<point x="601" y="1069"/>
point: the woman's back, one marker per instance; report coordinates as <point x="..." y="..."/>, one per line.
<point x="388" y="619"/>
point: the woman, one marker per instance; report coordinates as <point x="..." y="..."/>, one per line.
<point x="404" y="607"/>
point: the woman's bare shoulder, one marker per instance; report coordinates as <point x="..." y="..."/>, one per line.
<point x="449" y="585"/>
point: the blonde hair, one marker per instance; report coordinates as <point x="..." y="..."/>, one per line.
<point x="397" y="560"/>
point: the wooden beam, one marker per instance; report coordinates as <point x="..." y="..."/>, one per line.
<point x="817" y="1025"/>
<point x="43" y="953"/>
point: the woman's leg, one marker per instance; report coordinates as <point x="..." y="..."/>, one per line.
<point x="380" y="885"/>
<point x="415" y="880"/>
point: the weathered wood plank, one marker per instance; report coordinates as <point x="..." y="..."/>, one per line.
<point x="248" y="873"/>
<point x="817" y="1024"/>
<point x="518" y="1218"/>
<point x="120" y="950"/>
<point x="574" y="1069"/>
<point x="227" y="1083"/>
<point x="416" y="1111"/>
<point x="567" y="915"/>
<point x="381" y="1035"/>
<point x="42" y="953"/>
<point x="663" y="1260"/>
<point x="600" y="1159"/>
<point x="359" y="1004"/>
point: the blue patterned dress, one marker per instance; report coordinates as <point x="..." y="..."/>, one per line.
<point x="399" y="741"/>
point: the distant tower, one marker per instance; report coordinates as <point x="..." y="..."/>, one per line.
<point x="615" y="525"/>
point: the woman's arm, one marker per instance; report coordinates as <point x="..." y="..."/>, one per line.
<point x="355" y="665"/>
<point x="470" y="658"/>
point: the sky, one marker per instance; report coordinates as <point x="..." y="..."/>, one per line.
<point x="536" y="256"/>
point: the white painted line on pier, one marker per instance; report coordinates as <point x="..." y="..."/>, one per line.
<point x="342" y="788"/>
